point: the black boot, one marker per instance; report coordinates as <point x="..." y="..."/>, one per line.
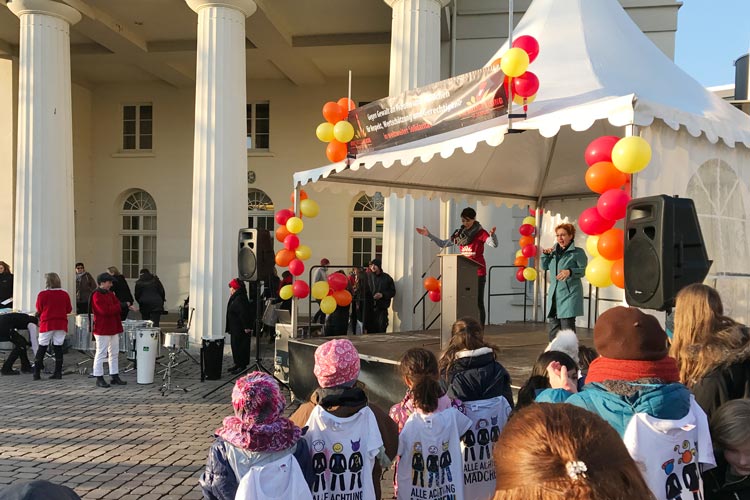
<point x="39" y="362"/>
<point x="100" y="382"/>
<point x="7" y="368"/>
<point x="116" y="380"/>
<point x="58" y="362"/>
<point x="25" y="363"/>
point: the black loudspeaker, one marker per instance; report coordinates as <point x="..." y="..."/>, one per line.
<point x="664" y="250"/>
<point x="255" y="256"/>
<point x="212" y="354"/>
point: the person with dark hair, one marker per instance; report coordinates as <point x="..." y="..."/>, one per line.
<point x="382" y="289"/>
<point x="52" y="307"/>
<point x="567" y="265"/>
<point x="730" y="430"/>
<point x="561" y="452"/>
<point x="6" y="286"/>
<point x="150" y="295"/>
<point x="286" y="279"/>
<point x="470" y="238"/>
<point x="239" y="325"/>
<point x="539" y="378"/>
<point x="85" y="286"/>
<point x="121" y="290"/>
<point x="107" y="328"/>
<point x="10" y="323"/>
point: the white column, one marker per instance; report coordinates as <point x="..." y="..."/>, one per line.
<point x="45" y="233"/>
<point x="415" y="61"/>
<point x="219" y="159"/>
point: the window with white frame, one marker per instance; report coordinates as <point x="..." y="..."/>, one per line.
<point x="258" y="125"/>
<point x="367" y="229"/>
<point x="259" y="210"/>
<point x="138" y="233"/>
<point x="137" y="127"/>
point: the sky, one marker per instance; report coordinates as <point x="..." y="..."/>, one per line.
<point x="711" y="35"/>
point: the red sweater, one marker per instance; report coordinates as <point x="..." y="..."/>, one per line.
<point x="106" y="309"/>
<point x="475" y="251"/>
<point x="53" y="307"/>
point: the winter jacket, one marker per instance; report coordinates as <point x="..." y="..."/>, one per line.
<point x="345" y="403"/>
<point x="718" y="484"/>
<point x="476" y="375"/>
<point x="14" y="321"/>
<point x="106" y="310"/>
<point x="239" y="314"/>
<point x="567" y="295"/>
<point x="85" y="286"/>
<point x="149" y="292"/>
<point x="121" y="289"/>
<point x="6" y="289"/>
<point x="382" y="283"/>
<point x="220" y="479"/>
<point x="53" y="307"/>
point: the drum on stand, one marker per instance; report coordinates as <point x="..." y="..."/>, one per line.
<point x="147" y="340"/>
<point x="83" y="341"/>
<point x="128" y="336"/>
<point x="175" y="340"/>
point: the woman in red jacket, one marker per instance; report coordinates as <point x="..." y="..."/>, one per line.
<point x="107" y="329"/>
<point x="52" y="306"/>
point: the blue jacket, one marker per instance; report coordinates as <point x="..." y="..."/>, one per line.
<point x="667" y="401"/>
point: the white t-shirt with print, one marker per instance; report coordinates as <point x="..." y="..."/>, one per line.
<point x="281" y="479"/>
<point x="430" y="462"/>
<point x="343" y="454"/>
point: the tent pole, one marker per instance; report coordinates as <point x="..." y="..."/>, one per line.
<point x="510" y="44"/>
<point x="453" y="37"/>
<point x="295" y="305"/>
<point x="539" y="214"/>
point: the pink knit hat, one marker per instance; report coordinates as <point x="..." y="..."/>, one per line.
<point x="336" y="363"/>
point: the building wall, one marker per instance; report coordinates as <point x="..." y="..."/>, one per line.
<point x="7" y="157"/>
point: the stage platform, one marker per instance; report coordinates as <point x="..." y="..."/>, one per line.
<point x="519" y="343"/>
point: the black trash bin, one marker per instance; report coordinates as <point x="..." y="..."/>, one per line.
<point x="212" y="355"/>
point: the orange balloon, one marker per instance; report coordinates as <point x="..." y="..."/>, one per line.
<point x="431" y="284"/>
<point x="611" y="244"/>
<point x="525" y="240"/>
<point x="617" y="273"/>
<point x="521" y="262"/>
<point x="333" y="113"/>
<point x="302" y="196"/>
<point x="284" y="257"/>
<point x="343" y="298"/>
<point x="497" y="62"/>
<point x="603" y="176"/>
<point x="336" y="151"/>
<point x="281" y="233"/>
<point x="347" y="105"/>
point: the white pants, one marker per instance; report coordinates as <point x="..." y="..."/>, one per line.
<point x="33" y="336"/>
<point x="106" y="345"/>
<point x="57" y="337"/>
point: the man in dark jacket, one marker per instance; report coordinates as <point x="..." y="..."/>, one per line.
<point x="239" y="325"/>
<point x="85" y="286"/>
<point x="383" y="290"/>
<point x="121" y="290"/>
<point x="149" y="292"/>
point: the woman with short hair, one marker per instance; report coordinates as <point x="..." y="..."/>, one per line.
<point x="6" y="285"/>
<point x="52" y="306"/>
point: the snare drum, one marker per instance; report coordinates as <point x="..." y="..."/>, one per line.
<point x="174" y="340"/>
<point x="83" y="340"/>
<point x="128" y="335"/>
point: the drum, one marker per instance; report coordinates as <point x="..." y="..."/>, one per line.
<point x="82" y="340"/>
<point x="147" y="340"/>
<point x="174" y="340"/>
<point x="127" y="337"/>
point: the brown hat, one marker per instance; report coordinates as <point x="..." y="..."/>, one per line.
<point x="629" y="333"/>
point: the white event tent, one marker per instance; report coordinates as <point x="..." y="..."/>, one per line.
<point x="599" y="75"/>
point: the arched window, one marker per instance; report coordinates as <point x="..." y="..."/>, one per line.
<point x="367" y="229"/>
<point x="717" y="193"/>
<point x="138" y="232"/>
<point x="259" y="210"/>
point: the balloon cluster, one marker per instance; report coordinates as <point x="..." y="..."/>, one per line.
<point x="433" y="287"/>
<point x="332" y="292"/>
<point x="294" y="253"/>
<point x="528" y="249"/>
<point x="336" y="130"/>
<point x="610" y="161"/>
<point x="522" y="85"/>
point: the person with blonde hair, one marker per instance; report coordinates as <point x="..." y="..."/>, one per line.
<point x="711" y="349"/>
<point x="52" y="306"/>
<point x="551" y="451"/>
<point x="730" y="428"/>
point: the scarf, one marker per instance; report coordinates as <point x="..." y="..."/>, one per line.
<point x="279" y="435"/>
<point x="602" y="369"/>
<point x="463" y="236"/>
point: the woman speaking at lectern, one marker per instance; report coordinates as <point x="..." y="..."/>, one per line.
<point x="470" y="238"/>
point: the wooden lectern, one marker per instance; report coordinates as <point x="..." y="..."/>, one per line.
<point x="458" y="294"/>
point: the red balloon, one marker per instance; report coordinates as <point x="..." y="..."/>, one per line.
<point x="300" y="289"/>
<point x="525" y="240"/>
<point x="337" y="281"/>
<point x="526" y="229"/>
<point x="284" y="257"/>
<point x="343" y="298"/>
<point x="281" y="233"/>
<point x="529" y="250"/>
<point x="302" y="196"/>
<point x="296" y="266"/>
<point x="346" y="104"/>
<point x="611" y="244"/>
<point x="603" y="176"/>
<point x="291" y="242"/>
<point x="591" y="222"/>
<point x="618" y="273"/>
<point x="283" y="215"/>
<point x="521" y="262"/>
<point x="519" y="275"/>
<point x="431" y="283"/>
<point x="529" y="44"/>
<point x="613" y="204"/>
<point x="434" y="295"/>
<point x="336" y="151"/>
<point x="333" y="113"/>
<point x="600" y="149"/>
<point x="526" y="85"/>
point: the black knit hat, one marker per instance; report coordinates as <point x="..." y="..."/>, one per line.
<point x="105" y="277"/>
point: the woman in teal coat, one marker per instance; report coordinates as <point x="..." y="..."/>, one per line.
<point x="567" y="264"/>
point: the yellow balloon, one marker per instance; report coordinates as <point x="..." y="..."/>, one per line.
<point x="598" y="272"/>
<point x="519" y="253"/>
<point x="309" y="208"/>
<point x="303" y="252"/>
<point x="529" y="220"/>
<point x="515" y="62"/>
<point x="294" y="225"/>
<point x="324" y="132"/>
<point x="631" y="154"/>
<point x="328" y="305"/>
<point x="591" y="243"/>
<point x="523" y="100"/>
<point x="343" y="131"/>
<point x="286" y="292"/>
<point x="320" y="289"/>
<point x="529" y="273"/>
